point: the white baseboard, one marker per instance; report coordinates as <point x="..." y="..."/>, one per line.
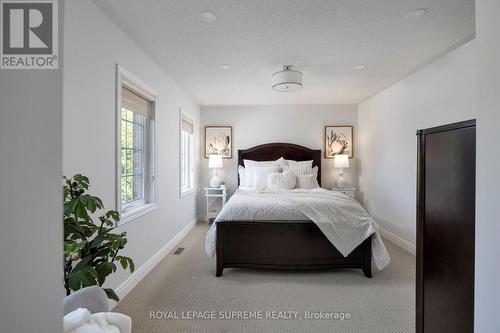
<point x="405" y="245"/>
<point x="140" y="273"/>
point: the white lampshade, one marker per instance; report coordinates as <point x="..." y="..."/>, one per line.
<point x="215" y="161"/>
<point x="341" y="161"/>
<point x="287" y="80"/>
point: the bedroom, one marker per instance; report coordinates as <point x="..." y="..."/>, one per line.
<point x="372" y="72"/>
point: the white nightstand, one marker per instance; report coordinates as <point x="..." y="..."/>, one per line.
<point x="214" y="192"/>
<point x="349" y="191"/>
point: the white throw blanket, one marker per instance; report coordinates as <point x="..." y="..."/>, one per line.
<point x="341" y="219"/>
<point x="82" y="321"/>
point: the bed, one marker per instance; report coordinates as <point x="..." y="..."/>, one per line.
<point x="244" y="242"/>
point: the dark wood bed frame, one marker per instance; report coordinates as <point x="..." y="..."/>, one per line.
<point x="293" y="245"/>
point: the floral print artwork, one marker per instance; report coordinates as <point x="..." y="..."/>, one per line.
<point x="218" y="141"/>
<point x="338" y="141"/>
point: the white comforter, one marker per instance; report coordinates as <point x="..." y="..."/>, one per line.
<point x="341" y="219"/>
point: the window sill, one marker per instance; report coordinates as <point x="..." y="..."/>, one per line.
<point x="187" y="192"/>
<point x="136" y="212"/>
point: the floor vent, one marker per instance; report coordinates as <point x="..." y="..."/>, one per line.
<point x="179" y="250"/>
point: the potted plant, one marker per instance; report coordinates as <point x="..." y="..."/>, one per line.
<point x="90" y="249"/>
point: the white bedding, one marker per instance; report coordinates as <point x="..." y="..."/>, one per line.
<point x="342" y="219"/>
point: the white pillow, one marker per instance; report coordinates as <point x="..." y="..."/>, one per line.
<point x="241" y="174"/>
<point x="249" y="165"/>
<point x="298" y="167"/>
<point x="315" y="171"/>
<point x="260" y="175"/>
<point x="281" y="181"/>
<point x="306" y="181"/>
<point x="282" y="162"/>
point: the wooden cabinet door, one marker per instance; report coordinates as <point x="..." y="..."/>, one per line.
<point x="445" y="229"/>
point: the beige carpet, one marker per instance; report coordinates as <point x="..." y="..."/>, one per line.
<point x="187" y="282"/>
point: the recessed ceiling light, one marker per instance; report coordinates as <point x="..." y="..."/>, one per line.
<point x="360" y="66"/>
<point x="208" y="16"/>
<point x="416" y="14"/>
<point x="225" y="67"/>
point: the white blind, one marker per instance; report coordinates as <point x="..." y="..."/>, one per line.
<point x="187" y="125"/>
<point x="133" y="102"/>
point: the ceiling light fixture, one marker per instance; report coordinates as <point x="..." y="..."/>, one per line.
<point x="208" y="16"/>
<point x="360" y="66"/>
<point x="287" y="79"/>
<point x="225" y="67"/>
<point x="416" y="14"/>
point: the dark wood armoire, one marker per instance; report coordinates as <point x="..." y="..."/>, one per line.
<point x="445" y="228"/>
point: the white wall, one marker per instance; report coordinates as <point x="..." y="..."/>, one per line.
<point x="488" y="168"/>
<point x="442" y="92"/>
<point x="93" y="46"/>
<point x="254" y="125"/>
<point x="31" y="230"/>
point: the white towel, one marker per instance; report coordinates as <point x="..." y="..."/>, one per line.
<point x="82" y="321"/>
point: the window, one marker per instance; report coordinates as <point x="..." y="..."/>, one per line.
<point x="186" y="154"/>
<point x="136" y="192"/>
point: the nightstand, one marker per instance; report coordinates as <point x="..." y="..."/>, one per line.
<point x="349" y="191"/>
<point x="214" y="192"/>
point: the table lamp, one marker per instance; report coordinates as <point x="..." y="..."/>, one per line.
<point x="341" y="162"/>
<point x="215" y="162"/>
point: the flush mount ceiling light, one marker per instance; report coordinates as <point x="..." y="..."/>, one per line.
<point x="225" y="67"/>
<point x="416" y="14"/>
<point x="287" y="79"/>
<point x="360" y="66"/>
<point x="208" y="16"/>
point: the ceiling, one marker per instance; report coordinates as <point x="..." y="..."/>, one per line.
<point x="324" y="39"/>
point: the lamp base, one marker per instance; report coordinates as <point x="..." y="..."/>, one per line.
<point x="215" y="182"/>
<point x="341" y="182"/>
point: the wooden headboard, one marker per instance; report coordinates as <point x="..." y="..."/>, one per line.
<point x="289" y="151"/>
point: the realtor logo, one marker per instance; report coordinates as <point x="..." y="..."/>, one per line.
<point x="29" y="34"/>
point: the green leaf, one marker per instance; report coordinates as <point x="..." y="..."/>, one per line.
<point x="103" y="270"/>
<point x="80" y="210"/>
<point x="69" y="208"/>
<point x="82" y="181"/>
<point x="131" y="264"/>
<point x="111" y="294"/>
<point x="91" y="204"/>
<point x="75" y="281"/>
<point x="99" y="203"/>
<point x="97" y="241"/>
<point x="85" y="277"/>
<point x="81" y="264"/>
<point x="123" y="262"/>
<point x="90" y="276"/>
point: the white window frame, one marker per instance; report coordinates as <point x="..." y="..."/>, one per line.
<point x="186" y="191"/>
<point x="138" y="208"/>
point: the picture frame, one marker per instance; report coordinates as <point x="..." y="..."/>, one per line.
<point x="219" y="141"/>
<point x="338" y="140"/>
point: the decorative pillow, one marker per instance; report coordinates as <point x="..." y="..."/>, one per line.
<point x="298" y="168"/>
<point x="281" y="181"/>
<point x="306" y="181"/>
<point x="282" y="162"/>
<point x="249" y="165"/>
<point x="260" y="175"/>
<point x="241" y="174"/>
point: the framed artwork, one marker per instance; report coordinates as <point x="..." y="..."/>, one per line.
<point x="338" y="141"/>
<point x="219" y="141"/>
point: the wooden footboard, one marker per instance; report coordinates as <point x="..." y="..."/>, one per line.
<point x="283" y="245"/>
